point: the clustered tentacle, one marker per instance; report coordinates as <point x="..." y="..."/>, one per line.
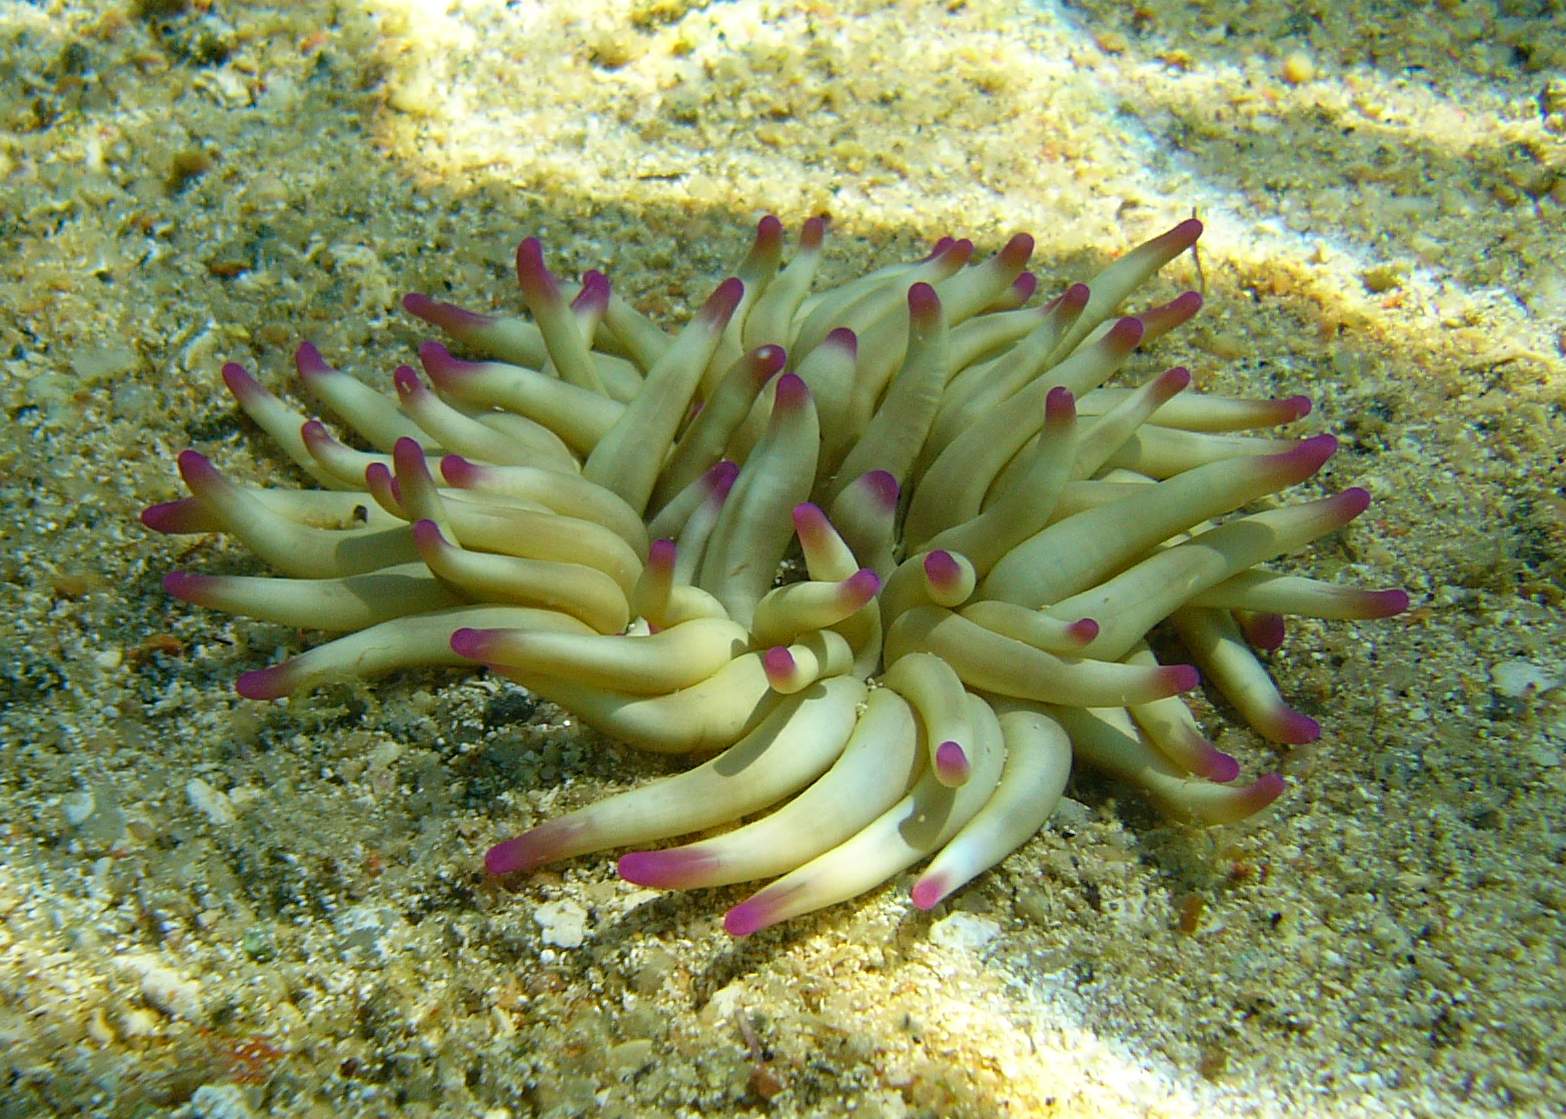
<point x="600" y="511"/>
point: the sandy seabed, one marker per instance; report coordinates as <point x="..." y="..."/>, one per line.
<point x="215" y="907"/>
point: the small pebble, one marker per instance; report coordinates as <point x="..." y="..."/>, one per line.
<point x="1112" y="42"/>
<point x="1517" y="678"/>
<point x="724" y="1002"/>
<point x="966" y="931"/>
<point x="164" y="988"/>
<point x="220" y="1101"/>
<point x="629" y="1056"/>
<point x="1298" y="68"/>
<point x="78" y="807"/>
<point x="564" y="923"/>
<point x="370" y="931"/>
<point x="210" y="802"/>
<point x="92" y="364"/>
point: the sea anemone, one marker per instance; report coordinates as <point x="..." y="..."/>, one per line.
<point x="987" y="536"/>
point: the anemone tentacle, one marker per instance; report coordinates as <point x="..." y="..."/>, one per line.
<point x="600" y="509"/>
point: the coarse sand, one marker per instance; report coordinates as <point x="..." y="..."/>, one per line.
<point x="215" y="907"/>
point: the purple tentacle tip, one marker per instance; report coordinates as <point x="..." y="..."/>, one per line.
<point x="930" y="890"/>
<point x="792" y="392"/>
<point x="241" y="384"/>
<point x="166" y="516"/>
<point x="1264" y="790"/>
<point x="778" y="663"/>
<point x="1083" y="630"/>
<point x="1387" y="603"/>
<point x="267" y="683"/>
<point x="468" y="642"/>
<point x="674" y="869"/>
<point x="749" y="916"/>
<point x="1060" y="405"/>
<point x="882" y="485"/>
<point x="720" y="306"/>
<point x="187" y="585"/>
<point x="1317" y="449"/>
<point x="1017" y="250"/>
<point x="951" y="764"/>
<point x="1295" y="407"/>
<point x="923" y="303"/>
<point x="506" y="858"/>
<point x="660" y="553"/>
<point x="1294" y="729"/>
<point x="1354" y="501"/>
<point x="843" y="338"/>
<point x="941" y="567"/>
<point x="862" y="585"/>
<point x="1218" y="766"/>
